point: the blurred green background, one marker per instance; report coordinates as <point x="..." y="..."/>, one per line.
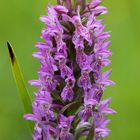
<point x="20" y="25"/>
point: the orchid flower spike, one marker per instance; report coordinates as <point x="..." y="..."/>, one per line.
<point x="74" y="50"/>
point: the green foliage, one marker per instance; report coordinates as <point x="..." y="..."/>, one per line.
<point x="81" y="129"/>
<point x="25" y="97"/>
<point x="91" y="132"/>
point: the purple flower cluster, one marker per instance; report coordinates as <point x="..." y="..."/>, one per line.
<point x="74" y="51"/>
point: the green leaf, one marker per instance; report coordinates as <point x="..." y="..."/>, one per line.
<point x="55" y="95"/>
<point x="80" y="130"/>
<point x="71" y="107"/>
<point x="91" y="132"/>
<point x="25" y="97"/>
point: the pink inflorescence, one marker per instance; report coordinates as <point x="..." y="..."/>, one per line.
<point x="74" y="50"/>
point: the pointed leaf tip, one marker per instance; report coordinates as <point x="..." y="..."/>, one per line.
<point x="11" y="53"/>
<point x="23" y="92"/>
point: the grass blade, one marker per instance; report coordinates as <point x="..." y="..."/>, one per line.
<point x="25" y="97"/>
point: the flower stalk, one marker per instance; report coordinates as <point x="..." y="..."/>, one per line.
<point x="71" y="82"/>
